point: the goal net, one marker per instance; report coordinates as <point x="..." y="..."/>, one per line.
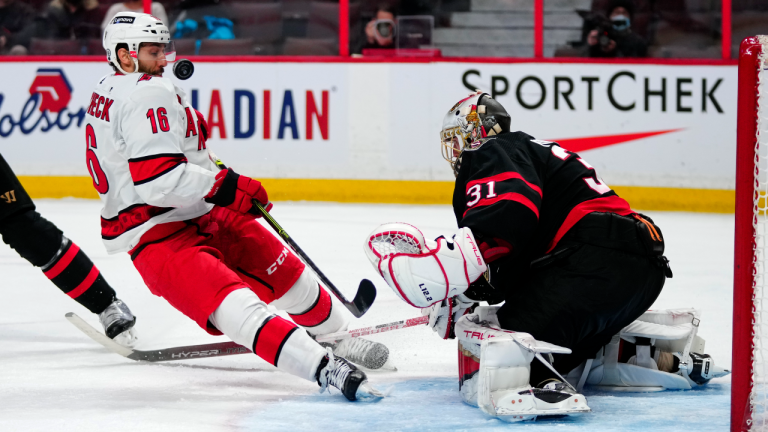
<point x="749" y="391"/>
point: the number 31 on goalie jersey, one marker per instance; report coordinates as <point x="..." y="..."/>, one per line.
<point x="596" y="184"/>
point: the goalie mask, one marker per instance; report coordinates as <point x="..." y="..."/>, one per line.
<point x="133" y="29"/>
<point x="469" y="121"/>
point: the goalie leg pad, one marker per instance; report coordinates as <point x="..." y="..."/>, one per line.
<point x="312" y="307"/>
<point x="495" y="370"/>
<point x="245" y="319"/>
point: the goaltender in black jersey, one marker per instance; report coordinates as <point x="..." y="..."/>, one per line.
<point x="568" y="268"/>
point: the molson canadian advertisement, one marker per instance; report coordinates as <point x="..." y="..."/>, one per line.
<point x="370" y="131"/>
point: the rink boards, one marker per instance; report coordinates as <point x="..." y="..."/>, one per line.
<point x="662" y="134"/>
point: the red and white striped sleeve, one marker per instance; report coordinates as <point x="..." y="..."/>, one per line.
<point x="153" y="131"/>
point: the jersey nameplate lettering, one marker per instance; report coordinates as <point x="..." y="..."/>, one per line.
<point x="100" y="106"/>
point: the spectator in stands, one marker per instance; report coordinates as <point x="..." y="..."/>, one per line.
<point x="134" y="6"/>
<point x="16" y="19"/>
<point x="614" y="37"/>
<point x="71" y="19"/>
<point x="380" y="31"/>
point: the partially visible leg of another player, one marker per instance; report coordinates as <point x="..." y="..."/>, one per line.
<point x="223" y="269"/>
<point x="42" y="244"/>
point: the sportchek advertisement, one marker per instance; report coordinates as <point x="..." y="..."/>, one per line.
<point x="638" y="125"/>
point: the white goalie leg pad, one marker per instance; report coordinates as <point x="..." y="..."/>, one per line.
<point x="423" y="272"/>
<point x="670" y="331"/>
<point x="312" y="307"/>
<point x="245" y="319"/>
<point x="494" y="368"/>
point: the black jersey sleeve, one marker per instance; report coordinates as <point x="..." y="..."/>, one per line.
<point x="498" y="194"/>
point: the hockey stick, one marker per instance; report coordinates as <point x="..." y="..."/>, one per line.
<point x="365" y="331"/>
<point x="366" y="292"/>
<point x="219" y="349"/>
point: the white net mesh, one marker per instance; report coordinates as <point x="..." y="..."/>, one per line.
<point x="759" y="395"/>
<point x="395" y="242"/>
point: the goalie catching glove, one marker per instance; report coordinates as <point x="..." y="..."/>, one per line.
<point x="422" y="272"/>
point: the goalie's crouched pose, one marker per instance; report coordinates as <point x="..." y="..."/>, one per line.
<point x="572" y="263"/>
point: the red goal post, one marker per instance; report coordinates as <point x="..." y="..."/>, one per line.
<point x="749" y="389"/>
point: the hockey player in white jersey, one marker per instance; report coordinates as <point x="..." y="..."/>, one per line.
<point x="189" y="226"/>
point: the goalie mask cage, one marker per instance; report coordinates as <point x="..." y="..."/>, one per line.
<point x="749" y="389"/>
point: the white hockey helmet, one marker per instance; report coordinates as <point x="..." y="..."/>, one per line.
<point x="470" y="120"/>
<point x="133" y="28"/>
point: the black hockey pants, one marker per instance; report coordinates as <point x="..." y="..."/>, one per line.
<point x="605" y="272"/>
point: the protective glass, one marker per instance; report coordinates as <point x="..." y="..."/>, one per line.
<point x="385" y="28"/>
<point x="157" y="51"/>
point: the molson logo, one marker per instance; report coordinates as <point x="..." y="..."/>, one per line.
<point x="286" y="115"/>
<point x="46" y="108"/>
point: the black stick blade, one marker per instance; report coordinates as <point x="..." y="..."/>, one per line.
<point x="364" y="298"/>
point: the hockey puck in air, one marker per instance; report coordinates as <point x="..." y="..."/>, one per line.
<point x="183" y="69"/>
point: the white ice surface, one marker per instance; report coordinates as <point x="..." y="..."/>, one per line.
<point x="53" y="378"/>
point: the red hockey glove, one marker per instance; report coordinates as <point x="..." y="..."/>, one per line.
<point x="203" y="125"/>
<point x="237" y="193"/>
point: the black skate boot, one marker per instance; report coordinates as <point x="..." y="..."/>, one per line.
<point x="118" y="322"/>
<point x="552" y="391"/>
<point x="699" y="368"/>
<point x="340" y="373"/>
<point x="366" y="353"/>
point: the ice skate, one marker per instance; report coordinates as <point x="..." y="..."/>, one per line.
<point x="698" y="368"/>
<point x="363" y="352"/>
<point x="340" y="373"/>
<point x="118" y="322"/>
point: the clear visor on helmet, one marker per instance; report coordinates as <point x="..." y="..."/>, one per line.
<point x="152" y="51"/>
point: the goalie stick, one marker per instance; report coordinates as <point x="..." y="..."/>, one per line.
<point x="366" y="291"/>
<point x="220" y="349"/>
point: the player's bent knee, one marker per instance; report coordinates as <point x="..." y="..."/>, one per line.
<point x="312" y="307"/>
<point x="244" y="318"/>
<point x="32" y="236"/>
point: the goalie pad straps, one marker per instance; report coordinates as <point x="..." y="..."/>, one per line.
<point x="245" y="319"/>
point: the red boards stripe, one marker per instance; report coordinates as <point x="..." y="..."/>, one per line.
<point x="317" y="314"/>
<point x="271" y="337"/>
<point x="591" y="143"/>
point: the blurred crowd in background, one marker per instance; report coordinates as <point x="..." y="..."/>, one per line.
<point x="464" y="28"/>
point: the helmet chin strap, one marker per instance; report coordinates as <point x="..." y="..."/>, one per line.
<point x="120" y="68"/>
